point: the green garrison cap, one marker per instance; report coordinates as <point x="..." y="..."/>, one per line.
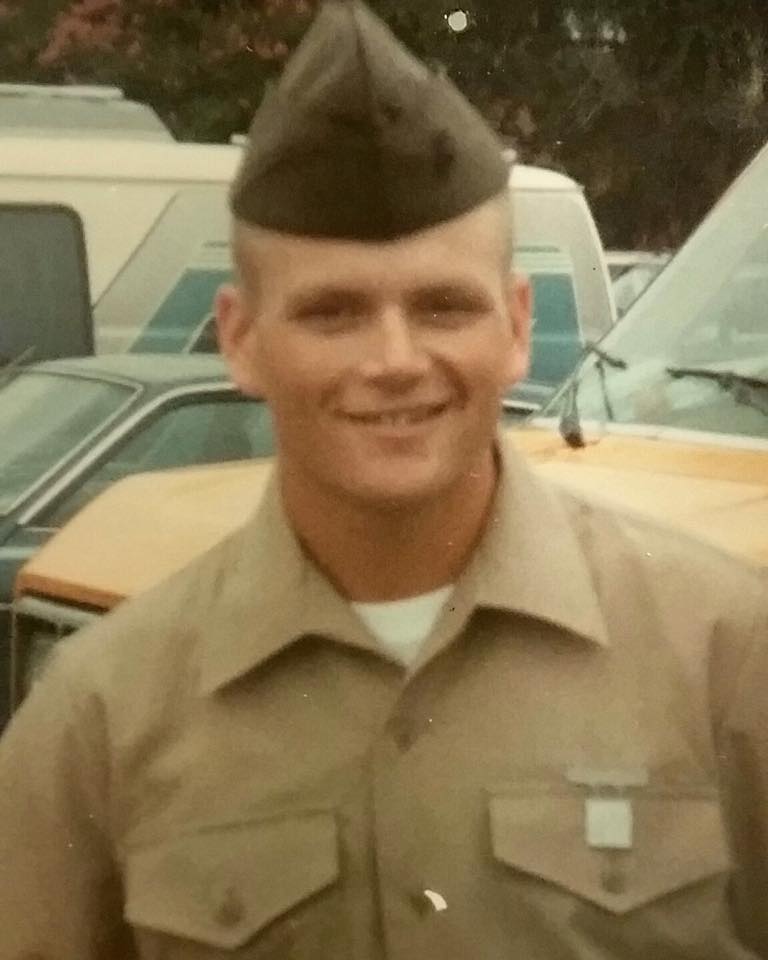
<point x="361" y="141"/>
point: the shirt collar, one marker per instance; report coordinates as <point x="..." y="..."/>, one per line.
<point x="268" y="593"/>
<point x="531" y="559"/>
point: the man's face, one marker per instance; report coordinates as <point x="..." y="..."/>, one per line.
<point x="383" y="363"/>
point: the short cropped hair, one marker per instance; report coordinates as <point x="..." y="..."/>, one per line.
<point x="246" y="271"/>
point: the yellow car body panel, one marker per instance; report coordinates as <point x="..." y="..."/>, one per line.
<point x="716" y="493"/>
<point x="140" y="530"/>
<point x="147" y="526"/>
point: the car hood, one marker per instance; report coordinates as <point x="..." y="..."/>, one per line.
<point x="716" y="492"/>
<point x="145" y="527"/>
<point x="140" y="530"/>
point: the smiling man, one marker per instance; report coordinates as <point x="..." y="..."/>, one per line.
<point x="422" y="706"/>
<point x="383" y="363"/>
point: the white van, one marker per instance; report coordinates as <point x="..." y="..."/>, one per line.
<point x="74" y="110"/>
<point x="156" y="227"/>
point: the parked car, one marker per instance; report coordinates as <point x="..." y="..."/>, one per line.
<point x="97" y="231"/>
<point x="622" y="261"/>
<point x="631" y="271"/>
<point x="667" y="415"/>
<point x="48" y="110"/>
<point x="557" y="245"/>
<point x="70" y="428"/>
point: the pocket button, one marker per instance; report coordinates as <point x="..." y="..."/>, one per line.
<point x="230" y="910"/>
<point x="613" y="880"/>
<point x="402" y="733"/>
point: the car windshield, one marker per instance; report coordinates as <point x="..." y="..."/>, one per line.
<point x="198" y="431"/>
<point x="694" y="347"/>
<point x="43" y="418"/>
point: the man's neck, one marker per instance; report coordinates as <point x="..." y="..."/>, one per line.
<point x="374" y="555"/>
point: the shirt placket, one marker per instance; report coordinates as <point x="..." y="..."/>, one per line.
<point x="415" y="900"/>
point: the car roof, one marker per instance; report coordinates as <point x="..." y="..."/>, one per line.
<point x="539" y="178"/>
<point x="142" y="368"/>
<point x="76" y="111"/>
<point x="633" y="258"/>
<point x="92" y="158"/>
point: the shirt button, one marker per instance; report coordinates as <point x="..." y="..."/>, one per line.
<point x="425" y="902"/>
<point x="403" y="734"/>
<point x="230" y="910"/>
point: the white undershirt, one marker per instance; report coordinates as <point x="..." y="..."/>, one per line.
<point x="402" y="626"/>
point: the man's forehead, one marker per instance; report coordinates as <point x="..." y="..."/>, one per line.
<point x="362" y="287"/>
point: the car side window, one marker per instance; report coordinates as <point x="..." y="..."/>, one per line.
<point x="193" y="432"/>
<point x="556" y="338"/>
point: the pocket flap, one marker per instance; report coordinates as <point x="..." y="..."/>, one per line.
<point x="223" y="884"/>
<point x="676" y="841"/>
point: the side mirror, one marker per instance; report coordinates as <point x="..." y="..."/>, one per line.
<point x="45" y="308"/>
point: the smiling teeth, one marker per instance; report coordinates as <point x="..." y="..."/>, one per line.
<point x="400" y="418"/>
<point x="397" y="418"/>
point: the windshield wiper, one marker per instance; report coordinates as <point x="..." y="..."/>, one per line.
<point x="743" y="388"/>
<point x="570" y="421"/>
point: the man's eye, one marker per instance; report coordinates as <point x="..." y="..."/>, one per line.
<point x="448" y="312"/>
<point x="330" y="318"/>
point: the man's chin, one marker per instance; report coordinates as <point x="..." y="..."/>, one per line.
<point x="400" y="493"/>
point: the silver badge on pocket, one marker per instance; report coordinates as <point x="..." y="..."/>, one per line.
<point x="608" y="813"/>
<point x="608" y="822"/>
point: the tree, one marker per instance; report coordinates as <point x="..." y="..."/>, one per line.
<point x="202" y="65"/>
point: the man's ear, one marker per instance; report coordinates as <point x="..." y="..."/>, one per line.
<point x="237" y="334"/>
<point x="520" y="307"/>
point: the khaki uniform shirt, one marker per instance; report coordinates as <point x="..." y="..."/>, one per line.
<point x="576" y="766"/>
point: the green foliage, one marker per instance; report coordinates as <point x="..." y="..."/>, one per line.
<point x="652" y="105"/>
<point x="203" y="65"/>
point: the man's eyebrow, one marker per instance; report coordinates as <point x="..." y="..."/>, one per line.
<point x="463" y="294"/>
<point x="326" y="297"/>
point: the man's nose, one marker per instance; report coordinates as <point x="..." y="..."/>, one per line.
<point x="395" y="355"/>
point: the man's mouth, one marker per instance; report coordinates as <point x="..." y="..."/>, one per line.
<point x="402" y="416"/>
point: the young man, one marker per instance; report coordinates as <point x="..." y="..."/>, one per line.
<point x="423" y="705"/>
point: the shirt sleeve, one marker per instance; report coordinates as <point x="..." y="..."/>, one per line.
<point x="60" y="893"/>
<point x="744" y="759"/>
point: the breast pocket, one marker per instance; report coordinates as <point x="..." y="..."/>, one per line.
<point x="258" y="890"/>
<point x="677" y="854"/>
